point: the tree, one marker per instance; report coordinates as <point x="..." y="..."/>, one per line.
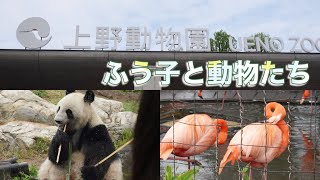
<point x="220" y="42"/>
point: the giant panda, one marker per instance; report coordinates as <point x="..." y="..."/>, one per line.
<point x="90" y="143"/>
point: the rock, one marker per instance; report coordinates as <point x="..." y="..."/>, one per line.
<point x="119" y="122"/>
<point x="22" y="134"/>
<point x="104" y="93"/>
<point x="124" y="119"/>
<point x="105" y="107"/>
<point x="23" y="105"/>
<point x="115" y="132"/>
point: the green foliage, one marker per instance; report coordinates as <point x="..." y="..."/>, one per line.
<point x="40" y="93"/>
<point x="127" y="134"/>
<point x="220" y="42"/>
<point x="132" y="106"/>
<point x="33" y="173"/>
<point x="188" y="175"/>
<point x="168" y="175"/>
<point x="39" y="147"/>
<point x="244" y="172"/>
<point x="52" y="96"/>
<point x="36" y="151"/>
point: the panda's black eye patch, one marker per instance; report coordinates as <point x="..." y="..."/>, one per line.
<point x="69" y="114"/>
<point x="58" y="109"/>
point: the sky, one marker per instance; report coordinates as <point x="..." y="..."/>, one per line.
<point x="278" y="18"/>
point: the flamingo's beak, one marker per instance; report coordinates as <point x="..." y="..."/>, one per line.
<point x="200" y="94"/>
<point x="302" y="100"/>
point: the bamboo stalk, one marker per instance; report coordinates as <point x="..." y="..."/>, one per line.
<point x="114" y="152"/>
<point x="69" y="162"/>
<point x="59" y="149"/>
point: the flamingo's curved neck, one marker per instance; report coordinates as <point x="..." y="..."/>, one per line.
<point x="285" y="135"/>
<point x="223" y="134"/>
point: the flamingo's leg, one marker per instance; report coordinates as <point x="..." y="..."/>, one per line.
<point x="224" y="96"/>
<point x="265" y="173"/>
<point x="188" y="162"/>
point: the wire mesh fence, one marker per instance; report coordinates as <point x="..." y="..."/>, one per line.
<point x="299" y="160"/>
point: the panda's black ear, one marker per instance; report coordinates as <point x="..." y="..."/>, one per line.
<point x="89" y="97"/>
<point x="69" y="91"/>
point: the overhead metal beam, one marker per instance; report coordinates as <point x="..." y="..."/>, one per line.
<point x="62" y="69"/>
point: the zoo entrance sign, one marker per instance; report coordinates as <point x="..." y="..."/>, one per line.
<point x="139" y="39"/>
<point x="217" y="72"/>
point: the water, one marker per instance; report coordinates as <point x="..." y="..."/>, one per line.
<point x="304" y="140"/>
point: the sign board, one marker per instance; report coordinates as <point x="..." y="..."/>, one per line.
<point x="166" y="39"/>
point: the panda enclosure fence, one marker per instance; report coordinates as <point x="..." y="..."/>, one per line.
<point x="300" y="160"/>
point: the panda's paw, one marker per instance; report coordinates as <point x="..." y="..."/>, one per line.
<point x="89" y="173"/>
<point x="62" y="137"/>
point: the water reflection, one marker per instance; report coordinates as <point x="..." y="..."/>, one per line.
<point x="300" y="163"/>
